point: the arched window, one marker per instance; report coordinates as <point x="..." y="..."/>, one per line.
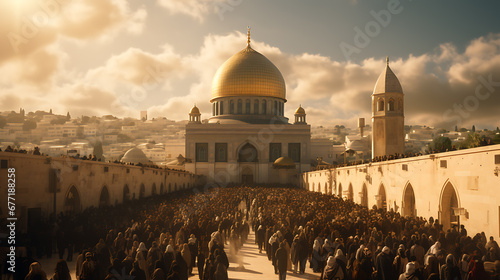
<point x="247" y="106"/>
<point x="256" y="107"/>
<point x="231" y="107"/>
<point x="380" y="106"/>
<point x="264" y="107"/>
<point x="216" y="108"/>
<point x="390" y="105"/>
<point x="213" y="109"/>
<point x="248" y="153"/>
<point x="240" y="106"/>
<point x="221" y="107"/>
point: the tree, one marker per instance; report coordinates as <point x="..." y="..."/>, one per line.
<point x="29" y="125"/>
<point x="473" y="140"/>
<point x="442" y="130"/>
<point x="98" y="151"/>
<point x="498" y="129"/>
<point x="473" y="128"/>
<point x="441" y="144"/>
<point x="456" y="128"/>
<point x="3" y="122"/>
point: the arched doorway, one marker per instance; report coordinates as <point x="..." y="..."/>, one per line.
<point x="248" y="153"/>
<point x="153" y="189"/>
<point x="319" y="187"/>
<point x="364" y="196"/>
<point x="162" y="189"/>
<point x="409" y="201"/>
<point x="326" y="188"/>
<point x="104" y="198"/>
<point x="142" y="191"/>
<point x="381" y="198"/>
<point x="246" y="175"/>
<point x="448" y="201"/>
<point x="339" y="193"/>
<point x="72" y="201"/>
<point x="126" y="193"/>
<point x="350" y="195"/>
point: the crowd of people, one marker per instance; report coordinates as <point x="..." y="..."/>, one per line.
<point x="165" y="237"/>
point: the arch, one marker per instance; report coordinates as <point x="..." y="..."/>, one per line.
<point x="312" y="188"/>
<point x="142" y="191"/>
<point x="213" y="109"/>
<point x="221" y="107"/>
<point x="231" y="106"/>
<point x="256" y="106"/>
<point x="350" y="194"/>
<point x="153" y="189"/>
<point x="319" y="187"/>
<point x="162" y="188"/>
<point x="72" y="202"/>
<point x="248" y="153"/>
<point x="448" y="201"/>
<point x="391" y="105"/>
<point x="339" y="193"/>
<point x="169" y="187"/>
<point x="175" y="187"/>
<point x="216" y="108"/>
<point x="126" y="193"/>
<point x="264" y="107"/>
<point x="364" y="196"/>
<point x="104" y="197"/>
<point x="247" y="106"/>
<point x="382" y="198"/>
<point x="380" y="104"/>
<point x="240" y="106"/>
<point x="326" y="188"/>
<point x="409" y="201"/>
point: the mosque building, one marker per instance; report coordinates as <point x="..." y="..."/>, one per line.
<point x="248" y="139"/>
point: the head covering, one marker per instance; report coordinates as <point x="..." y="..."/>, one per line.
<point x="339" y="255"/>
<point x="331" y="261"/>
<point x="386" y="250"/>
<point x="142" y="247"/>
<point x="170" y="249"/>
<point x="450" y="260"/>
<point x="316" y="245"/>
<point x="410" y="268"/>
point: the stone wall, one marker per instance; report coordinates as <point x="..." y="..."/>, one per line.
<point x="435" y="185"/>
<point x="80" y="184"/>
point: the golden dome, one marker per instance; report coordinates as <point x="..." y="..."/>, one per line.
<point x="284" y="162"/>
<point x="248" y="73"/>
<point x="300" y="111"/>
<point x="195" y="111"/>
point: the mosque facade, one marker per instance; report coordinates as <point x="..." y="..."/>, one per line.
<point x="248" y="139"/>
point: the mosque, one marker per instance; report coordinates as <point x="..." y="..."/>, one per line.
<point x="248" y="140"/>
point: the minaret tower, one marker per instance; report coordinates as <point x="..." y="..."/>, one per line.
<point x="387" y="115"/>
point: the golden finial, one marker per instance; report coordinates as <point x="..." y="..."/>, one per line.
<point x="248" y="35"/>
<point x="387" y="60"/>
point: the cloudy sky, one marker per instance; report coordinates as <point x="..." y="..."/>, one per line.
<point x="97" y="57"/>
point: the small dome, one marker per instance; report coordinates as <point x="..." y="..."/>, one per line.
<point x="284" y="162"/>
<point x="135" y="156"/>
<point x="195" y="111"/>
<point x="387" y="82"/>
<point x="248" y="74"/>
<point x="300" y="111"/>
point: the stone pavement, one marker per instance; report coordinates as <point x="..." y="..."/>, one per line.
<point x="255" y="266"/>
